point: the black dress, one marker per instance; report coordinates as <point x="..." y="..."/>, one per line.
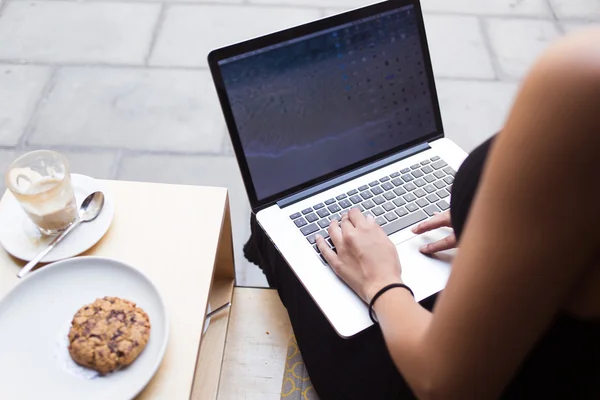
<point x="565" y="364"/>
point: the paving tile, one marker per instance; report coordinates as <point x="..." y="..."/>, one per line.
<point x="189" y="32"/>
<point x="533" y="8"/>
<point x="227" y="145"/>
<point x="343" y="4"/>
<point x="457" y="47"/>
<point x="527" y="8"/>
<point x="518" y="43"/>
<point x="570" y="27"/>
<point x="20" y="89"/>
<point x="97" y="164"/>
<point x="581" y="9"/>
<point x="217" y="2"/>
<point x="472" y="111"/>
<point x="160" y="110"/>
<point x="209" y="171"/>
<point x="71" y="31"/>
<point x="6" y="158"/>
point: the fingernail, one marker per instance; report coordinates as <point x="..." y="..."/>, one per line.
<point x="414" y="229"/>
<point x="370" y="217"/>
<point x="317" y="237"/>
<point x="423" y="249"/>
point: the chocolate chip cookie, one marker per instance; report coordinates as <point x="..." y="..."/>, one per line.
<point x="108" y="334"/>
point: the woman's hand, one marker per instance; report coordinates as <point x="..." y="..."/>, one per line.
<point x="366" y="259"/>
<point x="438" y="221"/>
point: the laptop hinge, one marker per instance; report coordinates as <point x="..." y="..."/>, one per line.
<point x="306" y="193"/>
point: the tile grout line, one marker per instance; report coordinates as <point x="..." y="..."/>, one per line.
<point x="224" y="145"/>
<point x="116" y="167"/>
<point x="162" y="15"/>
<point x="490" y="48"/>
<point x="497" y="16"/>
<point x="75" y="64"/>
<point x="64" y="65"/>
<point x="185" y="2"/>
<point x="125" y="152"/>
<point x="44" y="93"/>
<point x="552" y="10"/>
<point x="315" y="6"/>
<point x="555" y="18"/>
<point x="474" y="79"/>
<point x="3" y="5"/>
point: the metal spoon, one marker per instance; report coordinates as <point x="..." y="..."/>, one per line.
<point x="89" y="210"/>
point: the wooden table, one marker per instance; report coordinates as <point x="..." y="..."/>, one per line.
<point x="180" y="237"/>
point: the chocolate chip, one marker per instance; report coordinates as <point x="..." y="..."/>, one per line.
<point x="136" y="343"/>
<point x="116" y="335"/>
<point x="101" y="353"/>
<point x="96" y="336"/>
<point x="120" y="315"/>
<point x="120" y="354"/>
<point x="76" y="336"/>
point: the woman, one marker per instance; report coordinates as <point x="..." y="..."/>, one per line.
<point x="520" y="315"/>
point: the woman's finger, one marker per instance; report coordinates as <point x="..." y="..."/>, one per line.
<point x="327" y="252"/>
<point x="335" y="233"/>
<point x="449" y="242"/>
<point x="346" y="224"/>
<point x="356" y="217"/>
<point x="437" y="221"/>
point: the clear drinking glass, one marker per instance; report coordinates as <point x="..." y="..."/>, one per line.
<point x="41" y="182"/>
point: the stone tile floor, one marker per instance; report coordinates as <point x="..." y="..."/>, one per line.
<point x="122" y="86"/>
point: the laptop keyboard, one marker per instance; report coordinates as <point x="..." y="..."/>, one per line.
<point x="396" y="201"/>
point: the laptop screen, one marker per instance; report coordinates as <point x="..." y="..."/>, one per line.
<point x="317" y="104"/>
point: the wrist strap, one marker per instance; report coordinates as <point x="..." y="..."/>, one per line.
<point x="380" y="293"/>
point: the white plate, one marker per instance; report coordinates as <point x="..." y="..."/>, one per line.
<point x="35" y="318"/>
<point x="20" y="237"/>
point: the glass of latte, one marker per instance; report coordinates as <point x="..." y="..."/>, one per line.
<point x="41" y="182"/>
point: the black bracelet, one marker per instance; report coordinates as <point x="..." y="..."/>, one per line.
<point x="381" y="292"/>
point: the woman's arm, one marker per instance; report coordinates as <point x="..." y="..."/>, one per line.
<point x="529" y="238"/>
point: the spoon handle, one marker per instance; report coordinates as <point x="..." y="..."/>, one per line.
<point x="29" y="266"/>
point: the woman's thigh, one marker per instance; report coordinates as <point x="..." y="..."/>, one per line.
<point x="355" y="368"/>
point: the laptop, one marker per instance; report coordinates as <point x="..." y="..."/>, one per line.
<point x="337" y="114"/>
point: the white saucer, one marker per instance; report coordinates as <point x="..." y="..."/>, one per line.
<point x="35" y="319"/>
<point x="20" y="237"/>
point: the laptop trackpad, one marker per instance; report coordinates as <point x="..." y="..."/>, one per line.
<point x="425" y="275"/>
